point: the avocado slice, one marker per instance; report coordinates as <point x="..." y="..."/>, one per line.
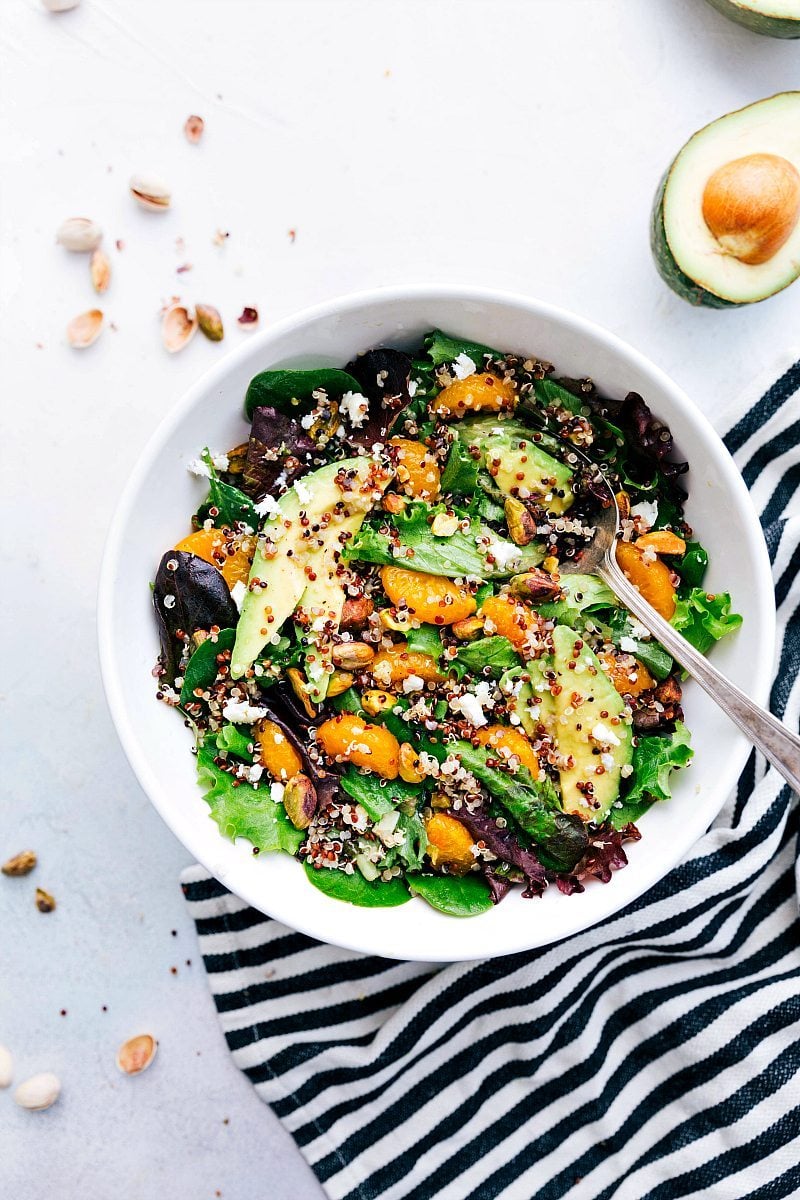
<point x="774" y="18"/>
<point x="518" y="465"/>
<point x="695" y="264"/>
<point x="583" y="712"/>
<point x="342" y="492"/>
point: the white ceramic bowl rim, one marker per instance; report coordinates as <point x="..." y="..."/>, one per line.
<point x="367" y="934"/>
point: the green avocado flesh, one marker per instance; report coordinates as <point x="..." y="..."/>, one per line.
<point x="687" y="255"/>
<point x="286" y="571"/>
<point x="518" y="466"/>
<point x="588" y="725"/>
<point x="773" y="18"/>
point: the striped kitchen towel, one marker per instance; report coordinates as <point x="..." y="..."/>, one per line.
<point x="655" y="1056"/>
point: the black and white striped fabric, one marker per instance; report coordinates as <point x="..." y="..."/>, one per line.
<point x="656" y="1056"/>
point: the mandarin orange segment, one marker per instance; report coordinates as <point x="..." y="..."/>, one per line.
<point x="509" y="742"/>
<point x="476" y="393"/>
<point x="398" y="663"/>
<point x="206" y="544"/>
<point x="449" y="842"/>
<point x="433" y="599"/>
<point x="511" y="619"/>
<point x="650" y="577"/>
<point x="663" y="541"/>
<point x="347" y="738"/>
<point x="628" y="680"/>
<point x="417" y="470"/>
<point x="278" y="754"/>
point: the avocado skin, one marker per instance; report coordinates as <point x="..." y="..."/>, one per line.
<point x="777" y="27"/>
<point x="668" y="268"/>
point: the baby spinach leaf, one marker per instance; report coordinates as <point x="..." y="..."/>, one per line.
<point x="442" y="348"/>
<point x="349" y="702"/>
<point x="703" y="618"/>
<point x="654" y="758"/>
<point x="460" y="474"/>
<point x="244" y="811"/>
<point x="653" y="656"/>
<point x="496" y="653"/>
<point x="464" y="896"/>
<point x="692" y="567"/>
<point x="291" y="391"/>
<point x="377" y="796"/>
<point x="355" y="889"/>
<point x="201" y="670"/>
<point x="551" y="394"/>
<point x="425" y="640"/>
<point x="231" y="505"/>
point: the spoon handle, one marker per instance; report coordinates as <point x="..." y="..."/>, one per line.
<point x="766" y="732"/>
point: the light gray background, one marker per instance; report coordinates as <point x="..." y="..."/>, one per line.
<point x="514" y="144"/>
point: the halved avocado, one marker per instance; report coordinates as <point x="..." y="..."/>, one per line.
<point x="741" y="173"/>
<point x="773" y="18"/>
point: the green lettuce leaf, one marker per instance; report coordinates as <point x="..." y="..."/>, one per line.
<point x="442" y="348"/>
<point x="496" y="653"/>
<point x="704" y="618"/>
<point x="654" y="758"/>
<point x="244" y="811"/>
<point x="582" y="593"/>
<point x="231" y="740"/>
<point x="451" y="556"/>
<point x="460" y="474"/>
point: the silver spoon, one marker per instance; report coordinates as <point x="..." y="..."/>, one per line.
<point x="765" y="731"/>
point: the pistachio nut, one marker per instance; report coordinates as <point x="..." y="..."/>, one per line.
<point x="356" y="612"/>
<point x="210" y="322"/>
<point x="444" y="524"/>
<point x="392" y="503"/>
<point x="520" y="521"/>
<point x="300" y="801"/>
<point x="534" y="585"/>
<point x="409" y="764"/>
<point x="298" y="685"/>
<point x="352" y="656"/>
<point x="376" y="702"/>
<point x="79" y="234"/>
<point x="178" y="327"/>
<point x="38" y="1092"/>
<point x="20" y="864"/>
<point x="150" y="192"/>
<point x="339" y="682"/>
<point x="468" y="629"/>
<point x="84" y="330"/>
<point x="135" y="1055"/>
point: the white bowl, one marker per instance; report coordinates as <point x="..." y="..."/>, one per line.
<point x="153" y="514"/>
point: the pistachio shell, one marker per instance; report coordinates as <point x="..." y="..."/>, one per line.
<point x="84" y="330"/>
<point x="193" y="128"/>
<point x="20" y="864"/>
<point x="150" y="192"/>
<point x="38" y="1092"/>
<point x="79" y="234"/>
<point x="100" y="271"/>
<point x="57" y="6"/>
<point x="6" y="1067"/>
<point x="135" y="1055"/>
<point x="178" y="327"/>
<point x="300" y="801"/>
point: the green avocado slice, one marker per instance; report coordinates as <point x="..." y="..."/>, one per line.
<point x="589" y="727"/>
<point x="518" y="465"/>
<point x="336" y="498"/>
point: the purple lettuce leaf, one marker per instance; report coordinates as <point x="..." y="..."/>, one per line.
<point x="278" y="446"/>
<point x="603" y="856"/>
<point x="502" y="842"/>
<point x="383" y="377"/>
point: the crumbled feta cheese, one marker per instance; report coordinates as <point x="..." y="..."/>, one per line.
<point x="276" y="791"/>
<point x="221" y="462"/>
<point x="413" y="683"/>
<point x="463" y="366"/>
<point x="608" y="761"/>
<point x="268" y="507"/>
<point x="242" y="713"/>
<point x="355" y="407"/>
<point x="646" y="511"/>
<point x="199" y="468"/>
<point x="238" y="593"/>
<point x="303" y="491"/>
<point x="503" y="553"/>
<point x="307" y="421"/>
<point x="413" y="384"/>
<point x="601" y="733"/>
<point x="483" y="694"/>
<point x="627" y="645"/>
<point x="254" y="773"/>
<point x="470" y="708"/>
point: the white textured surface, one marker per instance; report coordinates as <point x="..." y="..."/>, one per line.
<point x="510" y="144"/>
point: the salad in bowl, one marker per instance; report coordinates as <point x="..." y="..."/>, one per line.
<point x="384" y="670"/>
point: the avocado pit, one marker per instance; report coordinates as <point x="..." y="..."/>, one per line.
<point x="752" y="205"/>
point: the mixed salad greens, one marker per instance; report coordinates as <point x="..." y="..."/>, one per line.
<point x="367" y="632"/>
